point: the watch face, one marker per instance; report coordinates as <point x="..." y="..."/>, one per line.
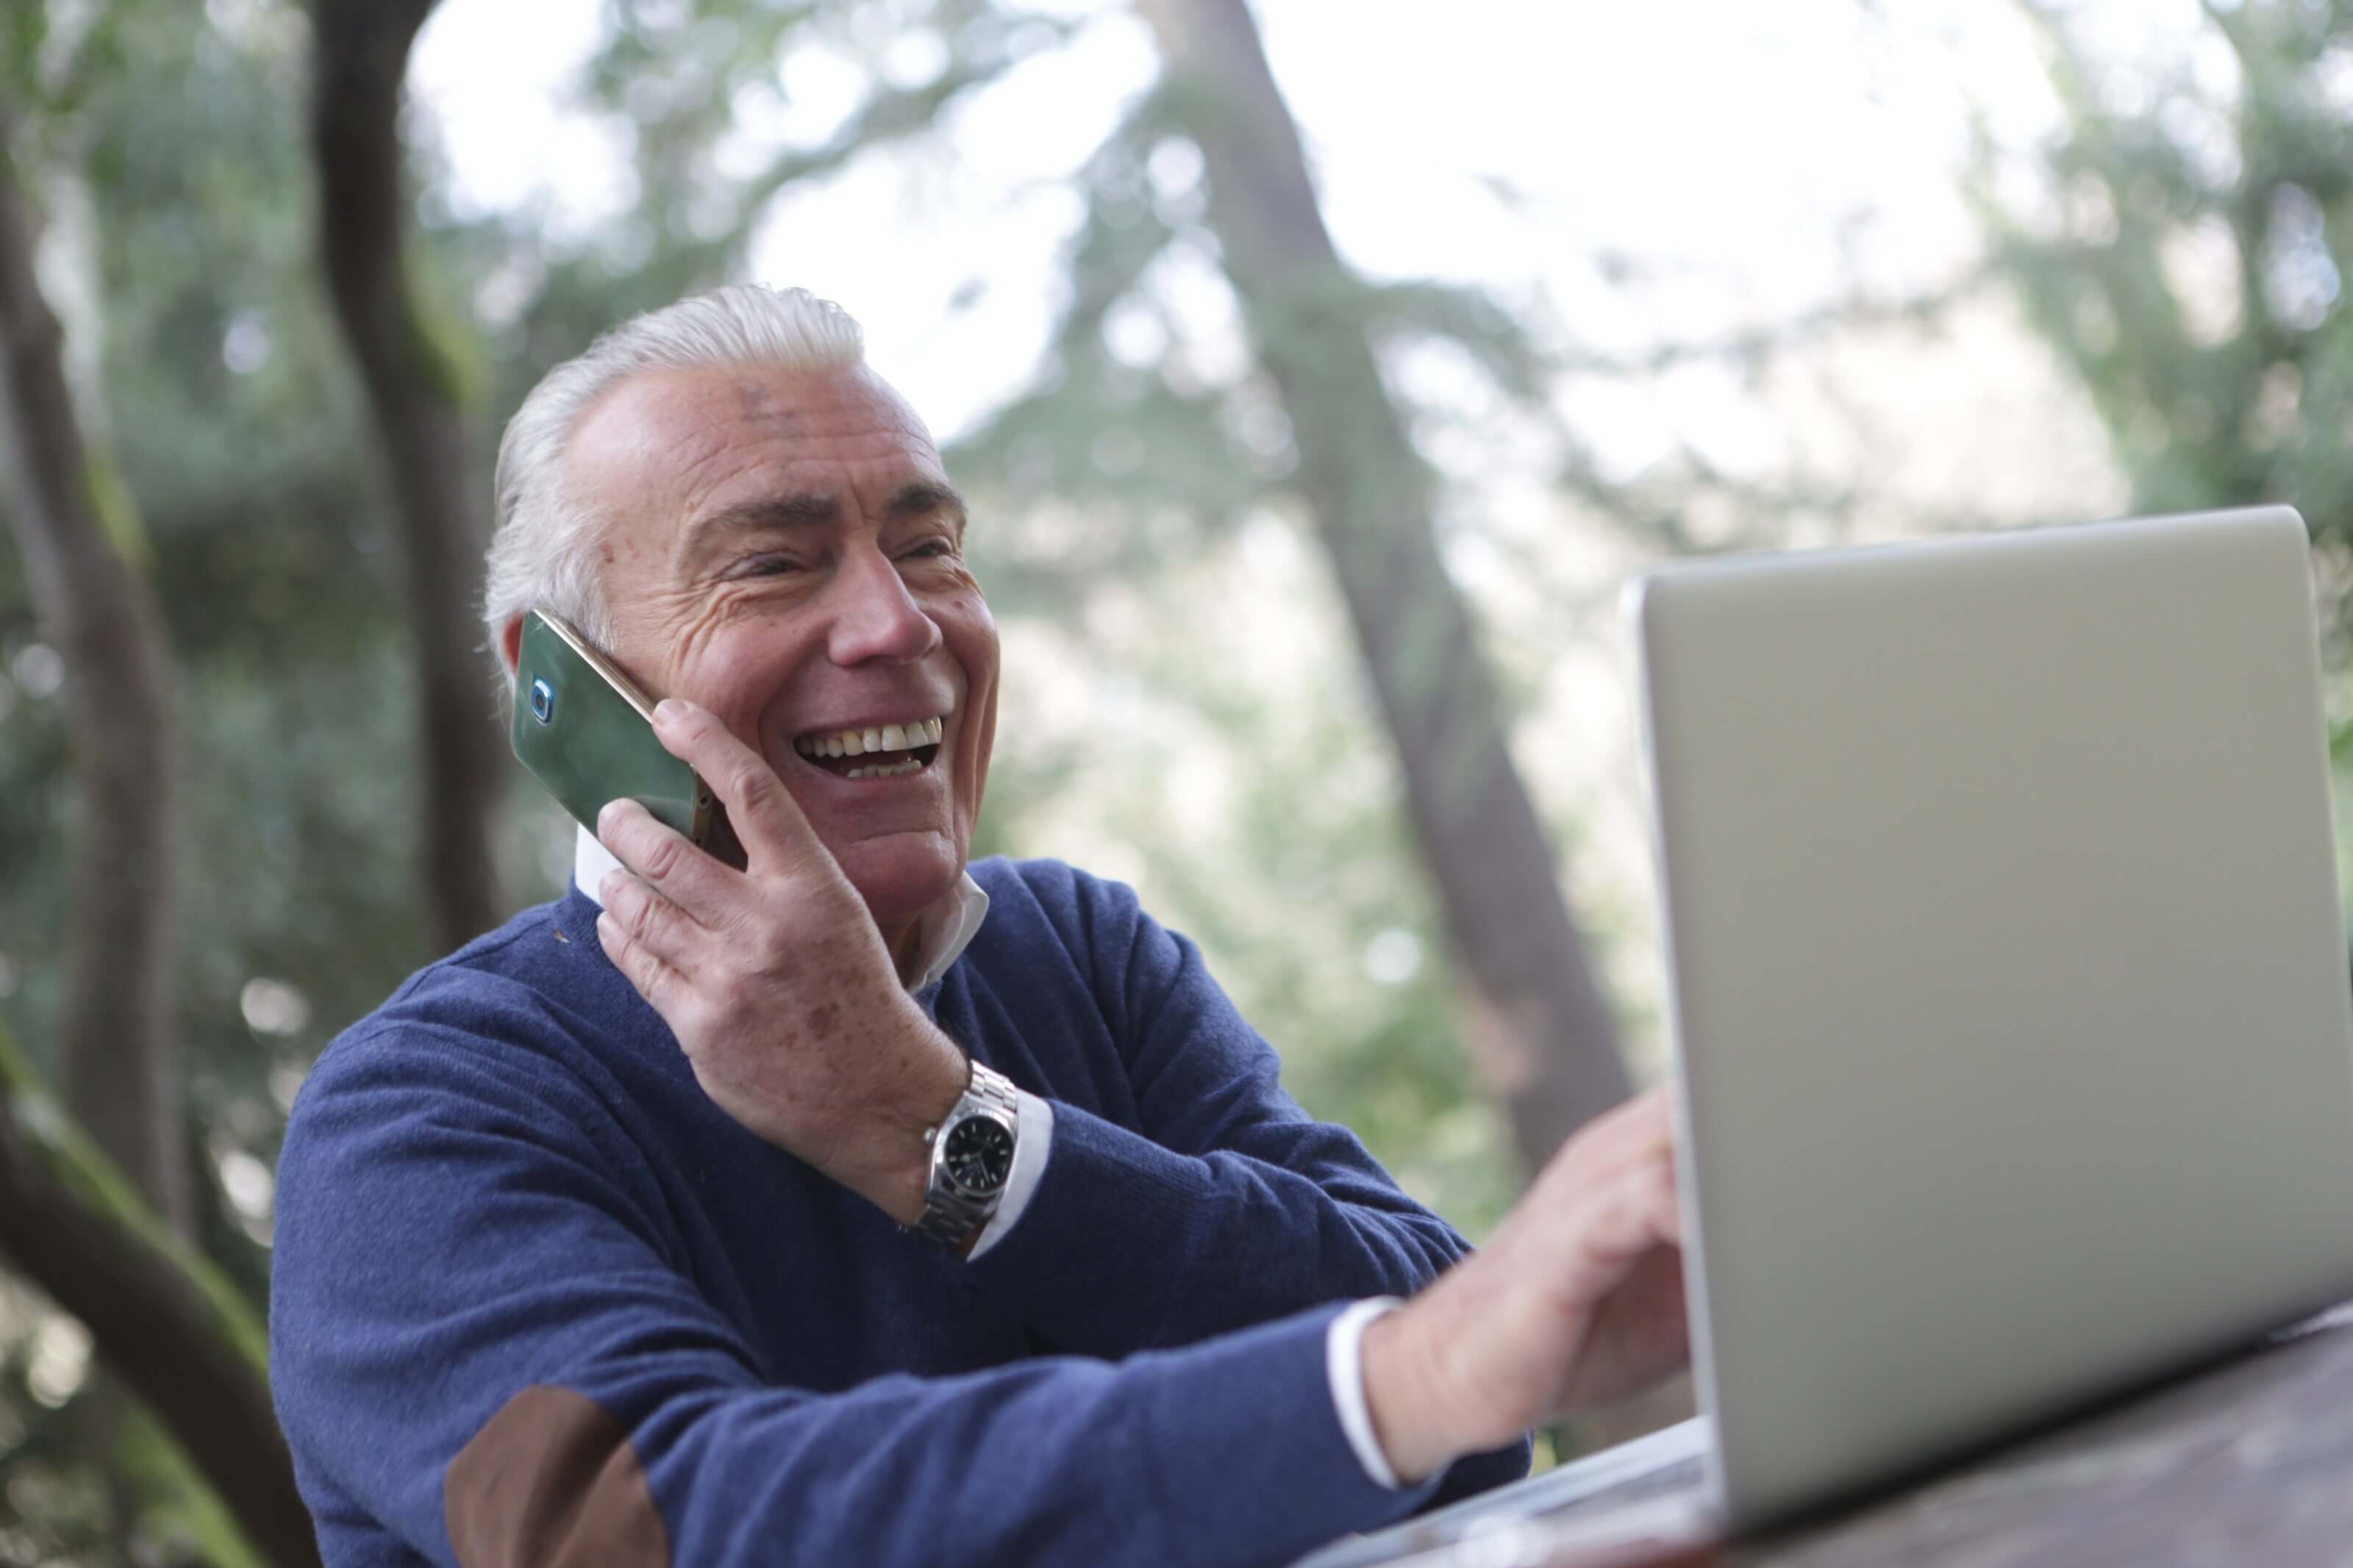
<point x="979" y="1155"/>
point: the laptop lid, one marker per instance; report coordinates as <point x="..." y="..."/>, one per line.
<point x="2007" y="976"/>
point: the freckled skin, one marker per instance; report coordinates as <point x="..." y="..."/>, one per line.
<point x="777" y="634"/>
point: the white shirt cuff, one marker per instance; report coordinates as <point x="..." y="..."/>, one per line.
<point x="1031" y="1144"/>
<point x="1344" y="1360"/>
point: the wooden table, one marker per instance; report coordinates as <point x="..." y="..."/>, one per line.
<point x="2246" y="1464"/>
<point x="2249" y="1463"/>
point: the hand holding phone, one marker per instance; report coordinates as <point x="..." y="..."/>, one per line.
<point x="776" y="980"/>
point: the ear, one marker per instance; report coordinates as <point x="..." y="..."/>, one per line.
<point x="510" y="644"/>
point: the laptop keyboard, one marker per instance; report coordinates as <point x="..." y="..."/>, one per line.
<point x="1647" y="1469"/>
<point x="1678" y="1475"/>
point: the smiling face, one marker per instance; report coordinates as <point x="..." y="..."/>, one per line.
<point x="783" y="547"/>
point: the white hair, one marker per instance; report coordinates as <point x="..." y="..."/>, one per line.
<point x="542" y="550"/>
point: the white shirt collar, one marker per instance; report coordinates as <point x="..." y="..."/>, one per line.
<point x="945" y="930"/>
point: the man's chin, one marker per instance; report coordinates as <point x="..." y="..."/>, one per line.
<point x="901" y="876"/>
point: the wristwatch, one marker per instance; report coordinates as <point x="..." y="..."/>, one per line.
<point x="972" y="1159"/>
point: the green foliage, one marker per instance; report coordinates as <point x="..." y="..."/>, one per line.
<point x="1161" y="453"/>
<point x="440" y="335"/>
<point x="2182" y="246"/>
<point x="682" y="80"/>
<point x="117" y="513"/>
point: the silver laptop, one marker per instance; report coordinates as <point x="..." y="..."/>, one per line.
<point x="2009" y="994"/>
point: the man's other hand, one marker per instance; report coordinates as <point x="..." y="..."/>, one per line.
<point x="774" y="979"/>
<point x="1578" y="1299"/>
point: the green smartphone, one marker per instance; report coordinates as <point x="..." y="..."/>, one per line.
<point x="586" y="732"/>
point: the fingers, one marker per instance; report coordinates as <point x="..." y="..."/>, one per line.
<point x="1623" y="1274"/>
<point x="656" y="980"/>
<point x="1633" y="1216"/>
<point x="650" y="921"/>
<point x="765" y="817"/>
<point x="1638" y="1131"/>
<point x="1606" y="1200"/>
<point x="1640" y="1334"/>
<point x="667" y="860"/>
<point x="1639" y="1128"/>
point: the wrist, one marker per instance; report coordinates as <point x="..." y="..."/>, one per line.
<point x="892" y="1171"/>
<point x="1402" y="1396"/>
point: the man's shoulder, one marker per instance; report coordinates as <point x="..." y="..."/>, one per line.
<point x="525" y="958"/>
<point x="498" y="1005"/>
<point x="1030" y="902"/>
<point x="1049" y="919"/>
<point x="1052" y="883"/>
<point x="523" y="950"/>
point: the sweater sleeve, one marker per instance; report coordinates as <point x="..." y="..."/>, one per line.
<point x="481" y="1339"/>
<point x="1209" y="1200"/>
<point x="1224" y="1203"/>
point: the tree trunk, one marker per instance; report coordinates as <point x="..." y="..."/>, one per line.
<point x="1535" y="1021"/>
<point x="361" y="52"/>
<point x="120" y="1029"/>
<point x="67" y="1220"/>
<point x="162" y="1318"/>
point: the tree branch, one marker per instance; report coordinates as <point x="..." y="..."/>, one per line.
<point x="165" y="1320"/>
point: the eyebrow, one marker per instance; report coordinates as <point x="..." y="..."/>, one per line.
<point x="811" y="509"/>
<point x="918" y="497"/>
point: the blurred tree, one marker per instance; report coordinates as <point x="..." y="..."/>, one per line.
<point x="1534" y="1017"/>
<point x="166" y="142"/>
<point x="414" y="355"/>
<point x="86" y="557"/>
<point x="2181" y="243"/>
<point x="168" y="1321"/>
<point x="64" y="1217"/>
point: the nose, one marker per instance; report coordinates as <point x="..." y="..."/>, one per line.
<point x="874" y="616"/>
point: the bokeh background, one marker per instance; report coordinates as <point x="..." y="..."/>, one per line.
<point x="1321" y="372"/>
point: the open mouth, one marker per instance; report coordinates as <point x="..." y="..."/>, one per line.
<point x="881" y="751"/>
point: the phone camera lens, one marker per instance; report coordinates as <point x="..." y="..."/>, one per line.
<point x="542" y="700"/>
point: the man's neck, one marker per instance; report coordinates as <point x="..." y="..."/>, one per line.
<point x="907" y="952"/>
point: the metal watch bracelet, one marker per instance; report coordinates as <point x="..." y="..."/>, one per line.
<point x="951" y="1214"/>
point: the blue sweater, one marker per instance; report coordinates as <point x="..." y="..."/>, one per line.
<point x="535" y="1293"/>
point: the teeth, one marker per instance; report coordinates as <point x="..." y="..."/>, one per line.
<point x="886" y="770"/>
<point x="885" y="737"/>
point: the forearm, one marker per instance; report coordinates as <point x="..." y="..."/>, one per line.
<point x="1125" y="1244"/>
<point x="1058" y="1460"/>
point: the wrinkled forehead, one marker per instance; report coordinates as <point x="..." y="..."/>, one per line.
<point x="664" y="447"/>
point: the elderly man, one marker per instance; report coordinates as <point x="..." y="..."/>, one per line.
<point x="857" y="1206"/>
